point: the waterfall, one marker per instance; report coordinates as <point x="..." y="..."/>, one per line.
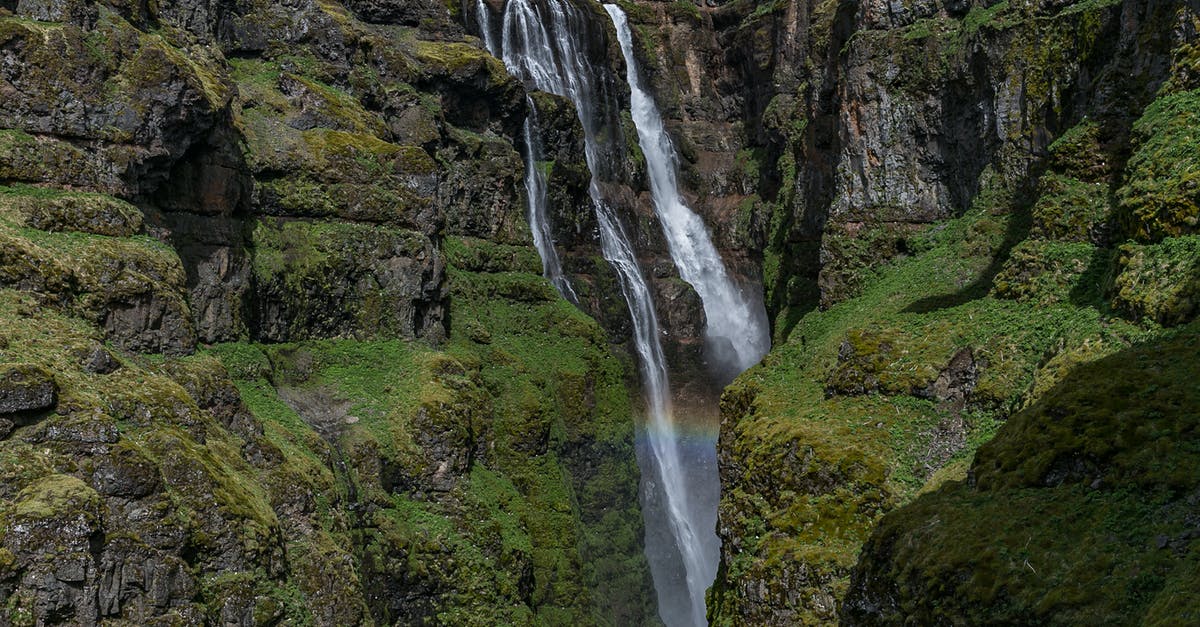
<point x="539" y="220"/>
<point x="542" y="42"/>
<point x="535" y="177"/>
<point x="737" y="334"/>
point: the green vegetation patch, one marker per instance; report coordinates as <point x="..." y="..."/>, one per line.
<point x="1048" y="272"/>
<point x="861" y="407"/>
<point x="1159" y="282"/>
<point x="499" y="467"/>
<point x="1161" y="194"/>
<point x="1079" y="153"/>
<point x="58" y="210"/>
<point x="1079" y="511"/>
<point x="1070" y="210"/>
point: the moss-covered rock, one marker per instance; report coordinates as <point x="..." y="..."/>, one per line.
<point x="25" y="388"/>
<point x="1060" y="522"/>
<point x="873" y="360"/>
<point x="1048" y="272"/>
<point x="1159" y="282"/>
<point x="142" y="100"/>
<point x="887" y="395"/>
<point x="482" y="188"/>
<point x="1071" y="210"/>
<point x="322" y="279"/>
<point x="55" y="210"/>
<point x="850" y="251"/>
<point x="1159" y="197"/>
<point x="1081" y="153"/>
<point x="132" y="287"/>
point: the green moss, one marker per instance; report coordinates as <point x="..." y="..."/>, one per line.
<point x="1078" y="153"/>
<point x="1159" y="282"/>
<point x="880" y="360"/>
<point x="853" y="250"/>
<point x="1159" y="198"/>
<point x="1045" y="273"/>
<point x="377" y="203"/>
<point x="270" y="602"/>
<point x="539" y="533"/>
<point x="480" y="255"/>
<point x="455" y="57"/>
<point x="832" y="430"/>
<point x="50" y="209"/>
<point x="299" y="263"/>
<point x="1064" y="523"/>
<point x="1070" y="210"/>
<point x="46" y="159"/>
<point x="55" y="497"/>
<point x="684" y="10"/>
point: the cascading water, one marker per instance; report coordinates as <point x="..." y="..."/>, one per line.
<point x="535" y="177"/>
<point x="737" y="332"/>
<point x="542" y="42"/>
<point x="539" y="221"/>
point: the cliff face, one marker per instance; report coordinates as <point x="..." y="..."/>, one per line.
<point x="274" y="347"/>
<point x="964" y="203"/>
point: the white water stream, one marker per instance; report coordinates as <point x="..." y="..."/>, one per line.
<point x="543" y="42"/>
<point x="737" y="326"/>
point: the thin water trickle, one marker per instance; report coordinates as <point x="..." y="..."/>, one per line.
<point x="539" y="221"/>
<point x="535" y="177"/>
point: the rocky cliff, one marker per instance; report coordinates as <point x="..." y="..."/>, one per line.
<point x="975" y="208"/>
<point x="274" y="347"/>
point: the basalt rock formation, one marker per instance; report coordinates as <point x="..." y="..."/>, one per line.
<point x="274" y="346"/>
<point x="965" y="202"/>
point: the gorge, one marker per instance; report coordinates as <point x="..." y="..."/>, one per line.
<point x="548" y="312"/>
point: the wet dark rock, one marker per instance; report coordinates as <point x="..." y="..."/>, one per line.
<point x="84" y="433"/>
<point x="149" y="323"/>
<point x="26" y="388"/>
<point x="125" y="472"/>
<point x="956" y="381"/>
<point x="97" y="360"/>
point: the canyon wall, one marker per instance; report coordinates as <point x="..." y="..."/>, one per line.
<point x="275" y="349"/>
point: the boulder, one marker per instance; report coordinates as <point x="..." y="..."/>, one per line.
<point x="26" y="388"/>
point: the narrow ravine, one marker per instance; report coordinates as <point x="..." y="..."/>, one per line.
<point x="540" y="42"/>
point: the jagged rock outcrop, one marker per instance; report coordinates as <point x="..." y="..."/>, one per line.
<point x="957" y="206"/>
<point x="186" y="186"/>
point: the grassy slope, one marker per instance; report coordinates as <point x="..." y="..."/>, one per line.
<point x="1080" y="511"/>
<point x="852" y="457"/>
<point x="527" y="388"/>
